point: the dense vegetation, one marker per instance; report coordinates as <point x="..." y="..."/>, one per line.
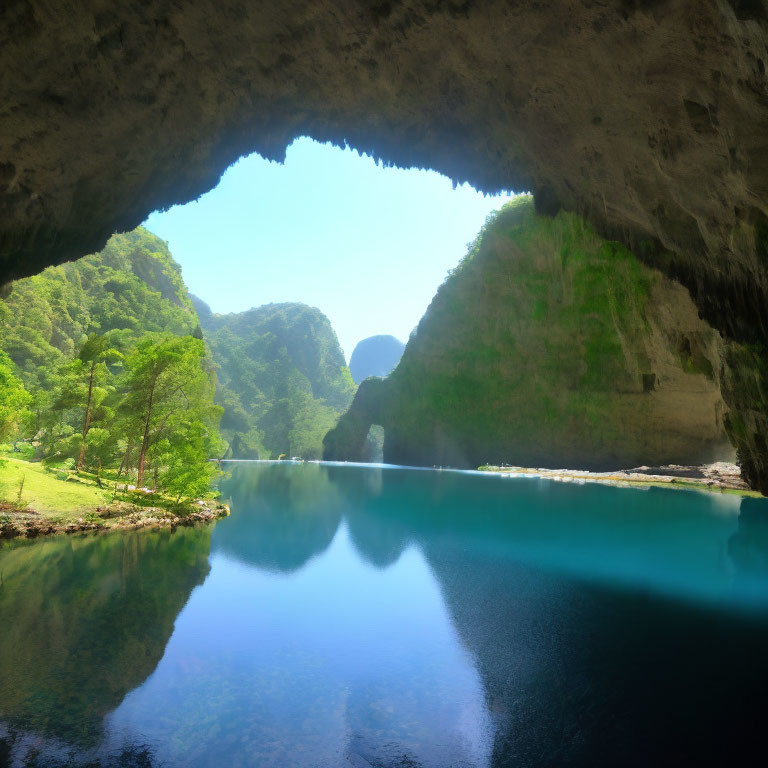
<point x="104" y="371"/>
<point x="548" y="346"/>
<point x="283" y="381"/>
<point x="375" y="356"/>
<point x="103" y="368"/>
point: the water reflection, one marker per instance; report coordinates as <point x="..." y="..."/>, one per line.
<point x="84" y="621"/>
<point x="577" y="675"/>
<point x="396" y="618"/>
<point x="748" y="546"/>
<point x="288" y="517"/>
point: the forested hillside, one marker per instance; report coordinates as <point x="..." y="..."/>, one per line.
<point x="131" y="288"/>
<point x="283" y="381"/>
<point x="103" y="366"/>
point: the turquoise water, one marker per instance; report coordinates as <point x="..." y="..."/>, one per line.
<point x="361" y="616"/>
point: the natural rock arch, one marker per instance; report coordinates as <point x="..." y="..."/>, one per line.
<point x="648" y="118"/>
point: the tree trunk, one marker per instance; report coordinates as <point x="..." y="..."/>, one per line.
<point x="87" y="424"/>
<point x="145" y="439"/>
<point x="120" y="472"/>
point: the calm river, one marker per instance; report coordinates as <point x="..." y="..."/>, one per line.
<point x="364" y="616"/>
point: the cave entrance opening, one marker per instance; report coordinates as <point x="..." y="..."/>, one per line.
<point x="366" y="243"/>
<point x="292" y="265"/>
<point x="373" y="448"/>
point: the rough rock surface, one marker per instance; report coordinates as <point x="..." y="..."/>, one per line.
<point x="548" y="347"/>
<point x="648" y="118"/>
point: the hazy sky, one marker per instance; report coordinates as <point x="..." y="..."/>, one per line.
<point x="368" y="245"/>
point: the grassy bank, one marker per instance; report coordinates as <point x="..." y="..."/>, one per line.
<point x="37" y="500"/>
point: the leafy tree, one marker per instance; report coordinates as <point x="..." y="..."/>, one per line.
<point x="169" y="398"/>
<point x="117" y="363"/>
<point x="14" y="399"/>
<point x="93" y="357"/>
<point x="88" y="340"/>
<point x="188" y="471"/>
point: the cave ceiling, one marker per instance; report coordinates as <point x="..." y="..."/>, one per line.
<point x="648" y="118"/>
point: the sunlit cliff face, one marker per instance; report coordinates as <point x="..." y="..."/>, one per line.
<point x="647" y="118"/>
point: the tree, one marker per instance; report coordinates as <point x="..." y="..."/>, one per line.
<point x="169" y="395"/>
<point x="104" y="346"/>
<point x="94" y="355"/>
<point x="187" y="469"/>
<point x="14" y="399"/>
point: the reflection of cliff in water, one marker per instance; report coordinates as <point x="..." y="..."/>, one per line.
<point x="748" y="547"/>
<point x="281" y="518"/>
<point x="574" y="673"/>
<point x="287" y="515"/>
<point x="86" y="620"/>
<point x="369" y="499"/>
<point x="580" y="675"/>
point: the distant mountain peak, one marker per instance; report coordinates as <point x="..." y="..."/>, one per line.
<point x="375" y="356"/>
<point x="204" y="312"/>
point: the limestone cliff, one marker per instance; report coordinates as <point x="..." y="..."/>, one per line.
<point x="549" y="346"/>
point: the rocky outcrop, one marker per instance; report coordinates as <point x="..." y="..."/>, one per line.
<point x="375" y="356"/>
<point x="649" y="119"/>
<point x="549" y="346"/>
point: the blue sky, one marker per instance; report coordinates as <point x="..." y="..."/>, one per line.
<point x="368" y="245"/>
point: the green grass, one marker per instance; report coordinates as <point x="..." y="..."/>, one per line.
<point x="48" y="491"/>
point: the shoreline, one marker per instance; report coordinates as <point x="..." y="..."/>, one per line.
<point x="25" y="523"/>
<point x="36" y="500"/>
<point x="719" y="477"/>
<point x="22" y="522"/>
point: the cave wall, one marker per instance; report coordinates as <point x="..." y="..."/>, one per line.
<point x="647" y="118"/>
